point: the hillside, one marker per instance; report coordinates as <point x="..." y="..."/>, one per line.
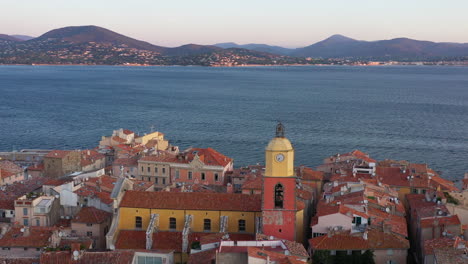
<point x="91" y="45"/>
<point x="99" y="35"/>
<point x="23" y="37"/>
<point x="257" y="47"/>
<point x="4" y="37"/>
<point x="338" y="46"/>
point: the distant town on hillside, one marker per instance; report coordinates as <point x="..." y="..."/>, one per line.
<point x="92" y="45"/>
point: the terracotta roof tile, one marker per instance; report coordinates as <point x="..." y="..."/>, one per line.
<point x="303" y="194"/>
<point x="10" y="166"/>
<point x="192" y="201"/>
<point x="295" y="248"/>
<point x="91" y="215"/>
<point x="38" y="237"/>
<point x="91" y="191"/>
<point x="5" y="173"/>
<point x="15" y="190"/>
<point x="162" y="240"/>
<point x="106" y="182"/>
<point x="345" y="241"/>
<point x="359" y="154"/>
<point x="131" y="161"/>
<point x="440" y="221"/>
<point x="253" y="184"/>
<point x="56" y="182"/>
<point x="65" y="257"/>
<point x="441" y="242"/>
<point x="275" y="257"/>
<point x="119" y="140"/>
<point x="450" y="255"/>
<point x="208" y="156"/>
<point x="203" y="257"/>
<point x="128" y="132"/>
<point x="7" y="260"/>
<point x="7" y="204"/>
<point x="309" y="174"/>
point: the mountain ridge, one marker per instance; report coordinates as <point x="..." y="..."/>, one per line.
<point x="334" y="47"/>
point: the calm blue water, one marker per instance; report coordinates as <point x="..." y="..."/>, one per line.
<point x="413" y="113"/>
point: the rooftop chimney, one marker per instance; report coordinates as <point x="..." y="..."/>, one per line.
<point x="230" y="188"/>
<point x="75" y="247"/>
<point x="25" y="231"/>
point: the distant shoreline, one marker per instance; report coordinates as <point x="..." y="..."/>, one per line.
<point x="246" y="65"/>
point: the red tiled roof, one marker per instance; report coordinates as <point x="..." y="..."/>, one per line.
<point x="7" y="204"/>
<point x="275" y="257"/>
<point x="90" y="156"/>
<point x="349" y="177"/>
<point x="128" y="132"/>
<point x="91" y="215"/>
<point x="87" y="257"/>
<point x="7" y="260"/>
<point x="208" y="156"/>
<point x="168" y="158"/>
<point x="192" y="201"/>
<point x="309" y="174"/>
<point x="360" y="155"/>
<point x="10" y="167"/>
<point x="90" y="191"/>
<point x="396" y="223"/>
<point x="38" y="237"/>
<point x="303" y="194"/>
<point x="211" y="157"/>
<point x="441" y="242"/>
<point x="203" y="257"/>
<point x="60" y="154"/>
<point x="36" y="167"/>
<point x="162" y="240"/>
<point x="131" y="161"/>
<point x="106" y="182"/>
<point x="18" y="189"/>
<point x="56" y="182"/>
<point x="295" y="248"/>
<point x="5" y="173"/>
<point x="346" y="241"/>
<point x="444" y="184"/>
<point x="141" y="185"/>
<point x="119" y="140"/>
<point x="253" y="184"/>
<point x="440" y="221"/>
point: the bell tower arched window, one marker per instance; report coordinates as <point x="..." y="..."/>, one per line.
<point x="279" y="195"/>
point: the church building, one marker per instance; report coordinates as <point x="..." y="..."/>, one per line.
<point x="151" y="219"/>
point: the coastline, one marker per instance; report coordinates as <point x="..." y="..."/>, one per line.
<point x="245" y="65"/>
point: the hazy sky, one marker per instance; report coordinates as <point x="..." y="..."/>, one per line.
<point x="290" y="23"/>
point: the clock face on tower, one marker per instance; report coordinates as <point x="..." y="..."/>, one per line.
<point x="279" y="157"/>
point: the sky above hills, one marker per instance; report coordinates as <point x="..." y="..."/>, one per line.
<point x="294" y="23"/>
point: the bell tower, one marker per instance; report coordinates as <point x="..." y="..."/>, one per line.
<point x="279" y="188"/>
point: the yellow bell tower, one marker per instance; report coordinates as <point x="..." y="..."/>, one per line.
<point x="279" y="156"/>
<point x="279" y="188"/>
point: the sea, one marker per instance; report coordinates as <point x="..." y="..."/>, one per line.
<point x="415" y="113"/>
